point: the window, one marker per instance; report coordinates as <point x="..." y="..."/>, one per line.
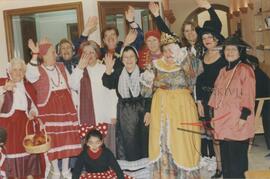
<point x="113" y="13"/>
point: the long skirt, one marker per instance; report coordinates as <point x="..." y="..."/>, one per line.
<point x="173" y="135"/>
<point x="165" y="167"/>
<point x="131" y="135"/>
<point x="60" y="119"/>
<point x="18" y="163"/>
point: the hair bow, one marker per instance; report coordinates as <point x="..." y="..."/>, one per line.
<point x="101" y="127"/>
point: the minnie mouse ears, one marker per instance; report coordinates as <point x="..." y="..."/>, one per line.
<point x="101" y="127"/>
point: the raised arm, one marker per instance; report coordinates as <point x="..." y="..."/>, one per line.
<point x="154" y="9"/>
<point x="213" y="15"/>
<point x="32" y="73"/>
<point x="110" y="77"/>
<point x="89" y="28"/>
<point x="77" y="74"/>
<point x="130" y="17"/>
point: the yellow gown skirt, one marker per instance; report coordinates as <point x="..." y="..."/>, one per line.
<point x="175" y="107"/>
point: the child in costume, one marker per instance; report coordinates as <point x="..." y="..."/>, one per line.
<point x="97" y="160"/>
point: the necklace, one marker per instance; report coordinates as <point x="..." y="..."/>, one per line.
<point x="58" y="78"/>
<point x="49" y="68"/>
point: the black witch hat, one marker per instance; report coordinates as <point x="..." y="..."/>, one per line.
<point x="237" y="41"/>
<point x="211" y="27"/>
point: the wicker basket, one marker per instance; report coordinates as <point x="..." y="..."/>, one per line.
<point x="36" y="149"/>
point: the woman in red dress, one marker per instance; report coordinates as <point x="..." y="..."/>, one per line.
<point x="55" y="106"/>
<point x="17" y="107"/>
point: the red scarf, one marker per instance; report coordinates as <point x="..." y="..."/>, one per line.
<point x="87" y="113"/>
<point x="94" y="155"/>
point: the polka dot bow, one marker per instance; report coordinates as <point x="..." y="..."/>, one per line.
<point x="101" y="127"/>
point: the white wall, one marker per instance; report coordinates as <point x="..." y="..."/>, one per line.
<point x="90" y="8"/>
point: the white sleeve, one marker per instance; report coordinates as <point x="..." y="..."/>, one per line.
<point x="32" y="73"/>
<point x="2" y="91"/>
<point x="75" y="78"/>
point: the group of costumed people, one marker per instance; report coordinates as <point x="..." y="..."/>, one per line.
<point x="154" y="112"/>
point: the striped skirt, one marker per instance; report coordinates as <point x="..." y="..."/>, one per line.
<point x="60" y="119"/>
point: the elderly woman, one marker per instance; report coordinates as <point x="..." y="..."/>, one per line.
<point x="97" y="103"/>
<point x="233" y="102"/>
<point x="55" y="105"/>
<point x="173" y="146"/>
<point x="17" y="108"/>
<point x="132" y="110"/>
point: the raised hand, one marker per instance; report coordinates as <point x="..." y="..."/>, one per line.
<point x="131" y="36"/>
<point x="109" y="62"/>
<point x="154" y="8"/>
<point x="9" y="85"/>
<point x="203" y="4"/>
<point x="83" y="63"/>
<point x="130" y="14"/>
<point x="90" y="26"/>
<point x="34" y="47"/>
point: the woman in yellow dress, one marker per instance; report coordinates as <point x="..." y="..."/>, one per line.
<point x="174" y="145"/>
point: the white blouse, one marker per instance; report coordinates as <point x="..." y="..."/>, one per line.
<point x="104" y="99"/>
<point x="19" y="97"/>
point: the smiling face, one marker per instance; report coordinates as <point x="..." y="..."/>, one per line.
<point x="231" y="53"/>
<point x="110" y="39"/>
<point x="129" y="60"/>
<point x="93" y="55"/>
<point x="153" y="44"/>
<point x="66" y="51"/>
<point x="17" y="72"/>
<point x="190" y="34"/>
<point x="94" y="143"/>
<point x="209" y="41"/>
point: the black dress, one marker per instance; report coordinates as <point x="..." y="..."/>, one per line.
<point x="131" y="133"/>
<point x="103" y="163"/>
<point x="205" y="83"/>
